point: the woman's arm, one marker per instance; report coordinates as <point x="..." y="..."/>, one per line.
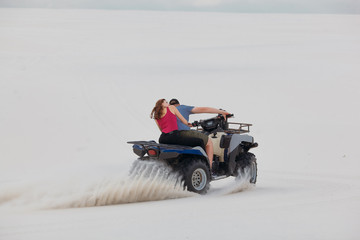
<point x="179" y="116"/>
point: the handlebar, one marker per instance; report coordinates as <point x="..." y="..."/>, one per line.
<point x="219" y="123"/>
<point x="220" y="116"/>
<point x="195" y="123"/>
<point x="227" y="116"/>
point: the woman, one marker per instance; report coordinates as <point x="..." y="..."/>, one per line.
<point x="165" y="117"/>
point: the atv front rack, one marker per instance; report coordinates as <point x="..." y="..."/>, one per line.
<point x="242" y="128"/>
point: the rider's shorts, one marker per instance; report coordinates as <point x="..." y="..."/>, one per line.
<point x="190" y="138"/>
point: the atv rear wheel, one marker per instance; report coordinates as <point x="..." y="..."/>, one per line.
<point x="246" y="163"/>
<point x="196" y="176"/>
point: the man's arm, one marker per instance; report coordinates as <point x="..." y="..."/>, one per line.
<point x="209" y="110"/>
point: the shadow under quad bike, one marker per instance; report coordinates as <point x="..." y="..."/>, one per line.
<point x="231" y="154"/>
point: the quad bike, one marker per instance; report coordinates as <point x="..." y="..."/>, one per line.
<point x="231" y="154"/>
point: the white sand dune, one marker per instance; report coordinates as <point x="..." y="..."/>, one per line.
<point x="76" y="85"/>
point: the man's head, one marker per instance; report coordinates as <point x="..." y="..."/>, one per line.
<point x="174" y="102"/>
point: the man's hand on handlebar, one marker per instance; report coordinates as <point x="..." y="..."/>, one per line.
<point x="225" y="114"/>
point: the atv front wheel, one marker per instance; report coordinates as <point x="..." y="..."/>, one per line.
<point x="246" y="163"/>
<point x="197" y="176"/>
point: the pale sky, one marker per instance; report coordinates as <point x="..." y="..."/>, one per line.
<point x="247" y="6"/>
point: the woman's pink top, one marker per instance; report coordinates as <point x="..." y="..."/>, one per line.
<point x="168" y="123"/>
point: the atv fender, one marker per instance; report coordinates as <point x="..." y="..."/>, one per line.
<point x="235" y="149"/>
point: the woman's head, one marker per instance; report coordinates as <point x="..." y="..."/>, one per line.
<point x="158" y="109"/>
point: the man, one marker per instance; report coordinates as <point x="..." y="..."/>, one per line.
<point x="187" y="110"/>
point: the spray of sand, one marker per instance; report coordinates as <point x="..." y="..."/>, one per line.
<point x="241" y="183"/>
<point x="147" y="181"/>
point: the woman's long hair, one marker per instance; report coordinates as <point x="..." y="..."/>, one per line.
<point x="157" y="110"/>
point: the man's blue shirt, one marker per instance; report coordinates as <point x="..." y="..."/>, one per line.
<point x="185" y="112"/>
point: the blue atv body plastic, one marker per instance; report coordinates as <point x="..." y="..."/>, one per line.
<point x="165" y="151"/>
